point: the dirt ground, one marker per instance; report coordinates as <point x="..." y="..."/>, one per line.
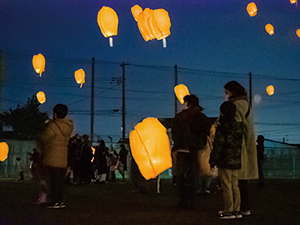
<point x="278" y="202"/>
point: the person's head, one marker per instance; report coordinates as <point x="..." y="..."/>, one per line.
<point x="60" y="111"/>
<point x="85" y="137"/>
<point x="233" y="89"/>
<point x="191" y="101"/>
<point x="228" y="110"/>
<point x="260" y="139"/>
<point x="102" y="143"/>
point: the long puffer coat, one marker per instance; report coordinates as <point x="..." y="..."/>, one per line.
<point x="54" y="142"/>
<point x="249" y="169"/>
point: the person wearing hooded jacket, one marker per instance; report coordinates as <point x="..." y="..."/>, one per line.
<point x="237" y="94"/>
<point x="53" y="144"/>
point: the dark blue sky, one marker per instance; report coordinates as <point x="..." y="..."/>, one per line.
<point x="212" y="42"/>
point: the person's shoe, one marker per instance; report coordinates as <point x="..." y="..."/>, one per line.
<point x="238" y="215"/>
<point x="53" y="206"/>
<point x="221" y="211"/>
<point x="246" y="212"/>
<point x="62" y="205"/>
<point x="226" y="215"/>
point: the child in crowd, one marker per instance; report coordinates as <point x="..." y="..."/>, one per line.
<point x="226" y="155"/>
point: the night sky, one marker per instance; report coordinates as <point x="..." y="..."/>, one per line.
<point x="211" y="42"/>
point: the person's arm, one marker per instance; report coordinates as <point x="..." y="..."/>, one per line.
<point x="217" y="148"/>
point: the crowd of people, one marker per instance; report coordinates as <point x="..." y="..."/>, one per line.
<point x="225" y="149"/>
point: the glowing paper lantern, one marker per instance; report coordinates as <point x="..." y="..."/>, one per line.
<point x="38" y="62"/>
<point x="150" y="147"/>
<point x="298" y="33"/>
<point x="269" y="28"/>
<point x="252" y="9"/>
<point x="3" y="151"/>
<point x="41" y="97"/>
<point x="80" y="77"/>
<point x="152" y="23"/>
<point x="181" y="91"/>
<point x="293" y="1"/>
<point x="270" y="90"/>
<point x="108" y="22"/>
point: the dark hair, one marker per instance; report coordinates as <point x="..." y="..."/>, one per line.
<point x="236" y="89"/>
<point x="192" y="101"/>
<point x="228" y="110"/>
<point x="61" y="110"/>
<point x="260" y="138"/>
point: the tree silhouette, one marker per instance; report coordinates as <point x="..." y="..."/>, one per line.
<point x="26" y="121"/>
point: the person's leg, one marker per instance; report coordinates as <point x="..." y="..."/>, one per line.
<point x="182" y="167"/>
<point x="225" y="178"/>
<point x="236" y="191"/>
<point x="243" y="186"/>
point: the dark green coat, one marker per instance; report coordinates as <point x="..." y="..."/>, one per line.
<point x="227" y="146"/>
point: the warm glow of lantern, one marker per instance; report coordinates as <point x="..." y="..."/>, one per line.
<point x="181" y="90"/>
<point x="3" y="151"/>
<point x="108" y="22"/>
<point x="269" y="28"/>
<point x="252" y="9"/>
<point x="93" y="150"/>
<point x="150" y="147"/>
<point x="152" y="23"/>
<point x="38" y="62"/>
<point x="80" y="77"/>
<point x="136" y="10"/>
<point x="298" y="33"/>
<point x="293" y="1"/>
<point x="41" y="97"/>
<point x="270" y="90"/>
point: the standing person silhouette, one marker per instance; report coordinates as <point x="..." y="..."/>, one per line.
<point x="237" y="94"/>
<point x="54" y="149"/>
<point x="189" y="133"/>
<point x="260" y="157"/>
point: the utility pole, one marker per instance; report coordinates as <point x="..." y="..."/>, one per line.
<point x="176" y="82"/>
<point x="123" y="101"/>
<point x="250" y="89"/>
<point x="92" y="99"/>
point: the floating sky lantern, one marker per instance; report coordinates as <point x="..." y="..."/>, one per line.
<point x="108" y="22"/>
<point x="80" y="77"/>
<point x="252" y="9"/>
<point x="293" y="1"/>
<point x="152" y="23"/>
<point x="41" y="97"/>
<point x="270" y="90"/>
<point x="298" y="33"/>
<point x="3" y="151"/>
<point x="269" y="28"/>
<point x="38" y="62"/>
<point x="150" y="147"/>
<point x="181" y="91"/>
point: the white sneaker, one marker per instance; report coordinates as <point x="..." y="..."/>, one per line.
<point x="246" y="212"/>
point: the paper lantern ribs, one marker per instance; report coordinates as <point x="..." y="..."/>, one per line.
<point x="150" y="147"/>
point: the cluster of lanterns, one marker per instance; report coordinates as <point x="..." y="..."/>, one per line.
<point x="252" y="11"/>
<point x="151" y="23"/>
<point x="39" y="62"/>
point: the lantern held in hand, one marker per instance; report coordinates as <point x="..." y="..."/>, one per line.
<point x="150" y="147"/>
<point x="3" y="151"/>
<point x="252" y="9"/>
<point x="41" y="97"/>
<point x="80" y="77"/>
<point x="181" y="90"/>
<point x="108" y="22"/>
<point x="269" y="28"/>
<point x="38" y="62"/>
<point x="270" y="90"/>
